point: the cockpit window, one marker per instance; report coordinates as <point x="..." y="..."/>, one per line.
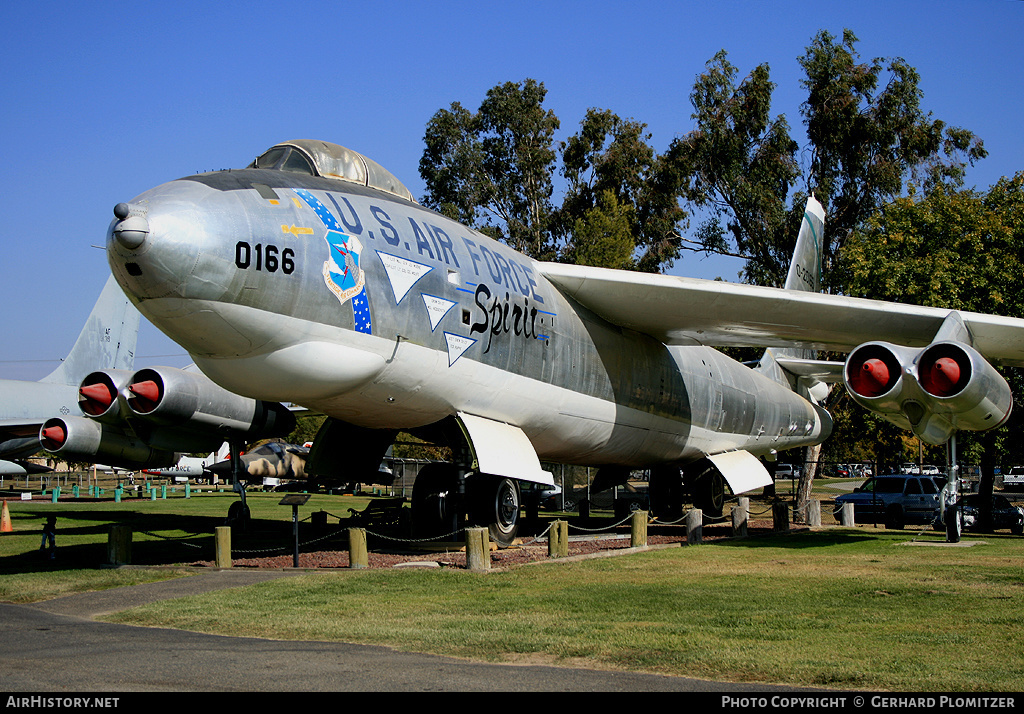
<point x="330" y="161"/>
<point x="269" y="159"/>
<point x="283" y="158"/>
<point x="297" y="163"/>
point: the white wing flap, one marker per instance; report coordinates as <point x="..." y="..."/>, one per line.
<point x="685" y="311"/>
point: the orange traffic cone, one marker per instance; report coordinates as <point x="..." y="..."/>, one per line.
<point x="5" y="520"/>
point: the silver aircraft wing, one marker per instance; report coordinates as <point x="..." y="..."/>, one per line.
<point x="684" y="311"/>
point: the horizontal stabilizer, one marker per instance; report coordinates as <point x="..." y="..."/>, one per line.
<point x="813" y="369"/>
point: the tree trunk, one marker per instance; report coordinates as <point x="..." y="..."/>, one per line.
<point x="806" y="483"/>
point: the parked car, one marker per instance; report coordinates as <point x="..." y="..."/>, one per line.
<point x="1014" y="478"/>
<point x="787" y="471"/>
<point x="894" y="499"/>
<point x="1004" y="513"/>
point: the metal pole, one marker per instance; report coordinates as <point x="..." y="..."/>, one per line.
<point x="295" y="532"/>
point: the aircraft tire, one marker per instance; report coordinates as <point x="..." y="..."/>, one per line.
<point x="954" y="524"/>
<point x="496" y="504"/>
<point x="238" y="514"/>
<point x="435" y="512"/>
<point x="666" y="493"/>
<point x="709" y="494"/>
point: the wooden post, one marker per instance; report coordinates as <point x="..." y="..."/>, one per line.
<point x="558" y="539"/>
<point x="846" y="515"/>
<point x="739" y="517"/>
<point x="358" y="556"/>
<point x="638" y="529"/>
<point x="694" y="526"/>
<point x="814" y="513"/>
<point x="478" y="551"/>
<point x="119" y="545"/>
<point x="222" y="559"/>
<point x="780" y="516"/>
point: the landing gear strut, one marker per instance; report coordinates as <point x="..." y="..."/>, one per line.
<point x="701" y="481"/>
<point x="238" y="512"/>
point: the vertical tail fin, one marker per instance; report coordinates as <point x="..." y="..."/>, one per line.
<point x="805" y="268"/>
<point x="804" y="274"/>
<point x="107" y="341"/>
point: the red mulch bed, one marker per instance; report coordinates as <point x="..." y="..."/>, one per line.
<point x="391" y="553"/>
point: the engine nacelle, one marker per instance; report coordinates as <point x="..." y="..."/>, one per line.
<point x="165" y="396"/>
<point x="932" y="391"/>
<point x="99" y="395"/>
<point x="963" y="384"/>
<point x="81" y="439"/>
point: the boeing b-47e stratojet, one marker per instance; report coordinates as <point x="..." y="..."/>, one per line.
<point x="313" y="277"/>
<point x="107" y="341"/>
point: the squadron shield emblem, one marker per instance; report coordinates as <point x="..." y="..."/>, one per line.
<point x="342" y="271"/>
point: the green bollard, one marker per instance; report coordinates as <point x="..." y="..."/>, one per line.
<point x="152" y="493"/>
<point x="55" y="494"/>
<point x="163" y="491"/>
<point x="188" y="490"/>
<point x="117" y="493"/>
<point x="74" y="490"/>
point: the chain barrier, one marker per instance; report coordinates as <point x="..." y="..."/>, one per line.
<point x="537" y="537"/>
<point x="598" y="530"/>
<point x="445" y="537"/>
<point x="178" y="538"/>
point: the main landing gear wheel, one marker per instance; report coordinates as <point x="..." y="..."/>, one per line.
<point x="496" y="504"/>
<point x="954" y="524"/>
<point x="666" y="491"/>
<point x="238" y="515"/>
<point x="709" y="494"/>
<point x="435" y="511"/>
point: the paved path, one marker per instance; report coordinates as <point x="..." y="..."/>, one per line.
<point x="55" y="646"/>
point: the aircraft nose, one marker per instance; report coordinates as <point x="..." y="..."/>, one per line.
<point x="153" y="244"/>
<point x="131" y="228"/>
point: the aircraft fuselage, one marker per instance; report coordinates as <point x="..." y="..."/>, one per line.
<point x="370" y="308"/>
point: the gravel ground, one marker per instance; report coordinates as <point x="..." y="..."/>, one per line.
<point x="529" y="551"/>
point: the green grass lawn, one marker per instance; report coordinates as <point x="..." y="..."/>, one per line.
<point x="845" y="608"/>
<point x="837" y="608"/>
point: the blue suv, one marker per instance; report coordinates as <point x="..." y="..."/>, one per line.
<point x="895" y="500"/>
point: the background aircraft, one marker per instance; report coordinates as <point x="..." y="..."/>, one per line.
<point x="107" y="341"/>
<point x="313" y="277"/>
<point x="21" y="468"/>
<point x="271" y="460"/>
<point x="193" y="467"/>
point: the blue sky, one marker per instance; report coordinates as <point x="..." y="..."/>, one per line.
<point x="106" y="100"/>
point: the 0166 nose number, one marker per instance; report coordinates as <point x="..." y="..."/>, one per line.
<point x="264" y="257"/>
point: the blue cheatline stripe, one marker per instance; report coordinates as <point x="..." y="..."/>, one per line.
<point x="360" y="304"/>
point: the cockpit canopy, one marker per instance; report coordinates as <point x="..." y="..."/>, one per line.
<point x="320" y="158"/>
